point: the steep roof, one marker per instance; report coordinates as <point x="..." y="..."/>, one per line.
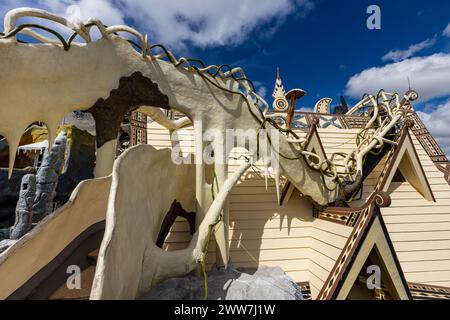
<point x="369" y="233"/>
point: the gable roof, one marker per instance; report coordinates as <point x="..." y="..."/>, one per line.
<point x="376" y="240"/>
<point x="427" y="140"/>
<point x="369" y="232"/>
<point x="404" y="157"/>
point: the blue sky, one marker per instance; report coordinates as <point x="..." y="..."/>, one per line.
<point x="321" y="46"/>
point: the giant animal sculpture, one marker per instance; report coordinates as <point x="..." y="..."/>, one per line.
<point x="113" y="75"/>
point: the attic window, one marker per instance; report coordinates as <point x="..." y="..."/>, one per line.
<point x="408" y="168"/>
<point x="398" y="177"/>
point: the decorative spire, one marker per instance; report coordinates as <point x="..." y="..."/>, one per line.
<point x="280" y="102"/>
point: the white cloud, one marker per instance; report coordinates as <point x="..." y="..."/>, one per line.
<point x="262" y="91"/>
<point x="70" y="9"/>
<point x="208" y="23"/>
<point x="446" y="31"/>
<point x="102" y="9"/>
<point x="437" y="122"/>
<point x="399" y="55"/>
<point x="430" y="77"/>
<point x="177" y="23"/>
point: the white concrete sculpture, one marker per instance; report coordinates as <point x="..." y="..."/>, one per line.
<point x="60" y="76"/>
<point x="129" y="261"/>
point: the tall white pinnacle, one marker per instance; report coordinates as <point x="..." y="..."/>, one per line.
<point x="280" y="102"/>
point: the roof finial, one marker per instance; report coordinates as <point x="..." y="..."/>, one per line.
<point x="280" y="102"/>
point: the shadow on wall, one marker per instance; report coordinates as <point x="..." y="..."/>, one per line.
<point x="260" y="228"/>
<point x="258" y="225"/>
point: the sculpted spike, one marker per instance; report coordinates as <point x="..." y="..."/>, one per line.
<point x="266" y="174"/>
<point x="277" y="185"/>
<point x="266" y="182"/>
<point x="52" y="129"/>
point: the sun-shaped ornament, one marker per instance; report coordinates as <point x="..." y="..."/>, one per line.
<point x="281" y="104"/>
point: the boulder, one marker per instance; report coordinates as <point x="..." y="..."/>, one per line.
<point x="264" y="283"/>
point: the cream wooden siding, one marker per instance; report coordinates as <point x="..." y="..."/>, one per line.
<point x="159" y="137"/>
<point x="338" y="140"/>
<point x="263" y="233"/>
<point x="344" y="140"/>
<point x="370" y="183"/>
<point x="420" y="229"/>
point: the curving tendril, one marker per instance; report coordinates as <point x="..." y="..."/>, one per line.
<point x="385" y="114"/>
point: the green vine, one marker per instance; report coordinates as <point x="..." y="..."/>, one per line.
<point x="204" y="258"/>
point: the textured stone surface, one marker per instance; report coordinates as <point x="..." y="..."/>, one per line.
<point x="247" y="284"/>
<point x="24" y="208"/>
<point x="5" y="244"/>
<point x="80" y="162"/>
<point x="4" y="234"/>
<point x="47" y="178"/>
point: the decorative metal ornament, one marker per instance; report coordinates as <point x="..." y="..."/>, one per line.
<point x="323" y="106"/>
<point x="412" y="94"/>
